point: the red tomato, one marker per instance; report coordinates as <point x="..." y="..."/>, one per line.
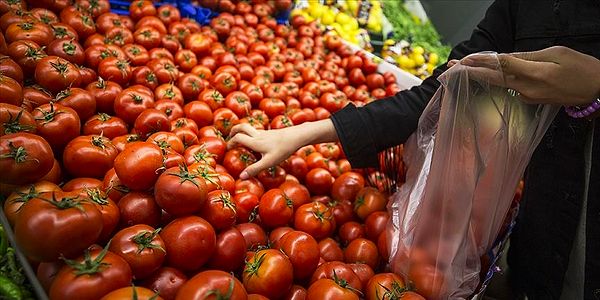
<point x="55" y="224"/>
<point x="166" y="282"/>
<point x="297" y="166"/>
<point x="427" y="279"/>
<point x="151" y="121"/>
<point x="104" y="92"/>
<point x="141" y="8"/>
<point x="23" y="194"/>
<point x="109" y="126"/>
<point x="319" y="181"/>
<point x="350" y="231"/>
<point x="275" y="208"/>
<point x="141" y="247"/>
<point x="328" y="289"/>
<point x="231" y="251"/>
<point x="138" y="208"/>
<point x="268" y="273"/>
<point x="89" y="156"/>
<point x="186" y="237"/>
<point x="224" y="119"/>
<point x="104" y="272"/>
<point x="245" y="203"/>
<point x="107" y="207"/>
<point x="167" y="141"/>
<point x="212" y="283"/>
<point x="296" y="293"/>
<point x="303" y="252"/>
<point x="24" y="158"/>
<point x="330" y="250"/>
<point x="369" y="200"/>
<point x="254" y="235"/>
<point x="56" y="74"/>
<point x="138" y="165"/>
<point x="200" y="112"/>
<point x="132" y="101"/>
<point x="363" y="251"/>
<point x="315" y="219"/>
<point x="79" y="184"/>
<point x="331" y="270"/>
<point x="134" y="292"/>
<point x="123" y="141"/>
<point x="375" y="224"/>
<point x="180" y="192"/>
<point x="251" y="185"/>
<point x="237" y="159"/>
<point x="384" y="286"/>
<point x="272" y="177"/>
<point x="347" y="186"/>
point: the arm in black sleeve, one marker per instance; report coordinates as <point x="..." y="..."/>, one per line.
<point x="365" y="131"/>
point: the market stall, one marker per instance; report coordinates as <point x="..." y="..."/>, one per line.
<point x="117" y="182"/>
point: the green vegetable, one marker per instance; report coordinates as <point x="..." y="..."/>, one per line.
<point x="9" y="290"/>
<point x="410" y="28"/>
<point x="3" y="242"/>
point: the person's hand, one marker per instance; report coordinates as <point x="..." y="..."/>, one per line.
<point x="555" y="75"/>
<point x="277" y="145"/>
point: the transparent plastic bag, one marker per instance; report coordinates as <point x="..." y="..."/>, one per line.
<point x="464" y="163"/>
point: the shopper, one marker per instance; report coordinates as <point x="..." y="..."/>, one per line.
<point x="555" y="247"/>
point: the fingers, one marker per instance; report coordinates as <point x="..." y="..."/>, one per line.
<point x="241" y="139"/>
<point x="545" y="55"/>
<point x="452" y="63"/>
<point x="252" y="170"/>
<point x="491" y="76"/>
<point x="243" y="128"/>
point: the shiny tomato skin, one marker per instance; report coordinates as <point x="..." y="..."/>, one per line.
<point x="102" y="123"/>
<point x="127" y="293"/>
<point x="44" y="231"/>
<point x="275" y="208"/>
<point x="114" y="275"/>
<point x="269" y="273"/>
<point x="319" y="181"/>
<point x="375" y="224"/>
<point x="138" y="208"/>
<point x="142" y="248"/>
<point x="132" y="101"/>
<point x="89" y="156"/>
<point x="104" y="93"/>
<point x="56" y="74"/>
<point x="328" y="289"/>
<point x="303" y="252"/>
<point x="180" y="192"/>
<point x="151" y="121"/>
<point x="25" y="158"/>
<point x="212" y="284"/>
<point x="219" y="210"/>
<point x="80" y="100"/>
<point x="316" y="219"/>
<point x="341" y="271"/>
<point x="254" y="235"/>
<point x="231" y="251"/>
<point x="166" y="281"/>
<point x="350" y="231"/>
<point x="81" y="183"/>
<point x="330" y="250"/>
<point x="138" y="165"/>
<point x="363" y="251"/>
<point x="369" y="200"/>
<point x="384" y="285"/>
<point x="186" y="237"/>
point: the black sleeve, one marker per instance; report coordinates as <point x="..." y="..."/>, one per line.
<point x="365" y="131"/>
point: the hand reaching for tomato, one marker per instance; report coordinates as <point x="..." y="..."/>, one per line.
<point x="278" y="144"/>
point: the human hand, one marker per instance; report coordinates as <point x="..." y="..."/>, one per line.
<point x="555" y="75"/>
<point x="278" y="144"/>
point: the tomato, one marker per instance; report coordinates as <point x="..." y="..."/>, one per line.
<point x="24" y="158"/>
<point x="124" y="140"/>
<point x="104" y="272"/>
<point x="170" y="45"/>
<point x="199" y="43"/>
<point x="138" y="165"/>
<point x="22" y="195"/>
<point x="331" y="270"/>
<point x="136" y="54"/>
<point x="67" y="48"/>
<point x="245" y="203"/>
<point x="212" y="284"/>
<point x="231" y="251"/>
<point x="133" y="292"/>
<point x="254" y="235"/>
<point x="15" y="119"/>
<point x="319" y="181"/>
<point x="275" y="208"/>
<point x="11" y="91"/>
<point x="27" y="54"/>
<point x="109" y="126"/>
<point x="361" y="250"/>
<point x="239" y="103"/>
<point x="251" y="185"/>
<point x="57" y="223"/>
<point x="167" y="141"/>
<point x="330" y="250"/>
<point x="268" y="273"/>
<point x="187" y="136"/>
<point x="141" y="247"/>
<point x="46" y="272"/>
<point x="316" y="160"/>
<point x="147" y="36"/>
<point x="384" y="286"/>
<point x="219" y="210"/>
<point x="347" y="186"/>
<point x="224" y="82"/>
<point x="39" y="33"/>
<point x="296" y="293"/>
<point x="132" y="101"/>
<point x="237" y="159"/>
<point x="165" y="70"/>
<point x="303" y="252"/>
<point x="151" y="121"/>
<point x="10" y="68"/>
<point x="272" y="177"/>
<point x="89" y="156"/>
<point x="315" y="219"/>
<point x="200" y="112"/>
<point x="180" y="192"/>
<point x="213" y="98"/>
<point x="328" y="289"/>
<point x="350" y="231"/>
<point x="166" y="282"/>
<point x="139" y="208"/>
<point x="78" y="99"/>
<point x="56" y="74"/>
<point x="375" y="224"/>
<point x="81" y="22"/>
<point x="297" y="166"/>
<point x="80" y="184"/>
<point x="185" y="238"/>
<point x="427" y="279"/>
<point x="34" y="96"/>
<point x="144" y="76"/>
<point x="369" y="200"/>
<point x="107" y="207"/>
<point x="115" y="69"/>
<point x="141" y="8"/>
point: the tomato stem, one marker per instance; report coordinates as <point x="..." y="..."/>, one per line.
<point x="89" y="266"/>
<point x="144" y="240"/>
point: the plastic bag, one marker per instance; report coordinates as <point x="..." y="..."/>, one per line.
<point x="464" y="163"/>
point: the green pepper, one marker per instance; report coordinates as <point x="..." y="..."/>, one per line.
<point x="9" y="290"/>
<point x="3" y="242"/>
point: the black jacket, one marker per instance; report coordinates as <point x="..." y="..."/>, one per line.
<point x="550" y="211"/>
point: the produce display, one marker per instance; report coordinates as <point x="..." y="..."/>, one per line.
<point x="405" y="40"/>
<point x="117" y="179"/>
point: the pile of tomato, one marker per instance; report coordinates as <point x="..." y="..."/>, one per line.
<point x="115" y="167"/>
